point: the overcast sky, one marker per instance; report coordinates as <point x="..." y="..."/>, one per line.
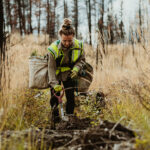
<point x="130" y="11"/>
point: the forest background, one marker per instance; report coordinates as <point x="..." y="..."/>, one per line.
<point x="117" y="46"/>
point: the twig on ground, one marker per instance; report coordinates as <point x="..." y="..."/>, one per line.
<point x="111" y="131"/>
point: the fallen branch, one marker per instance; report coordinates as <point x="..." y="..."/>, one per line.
<point x="111" y="131"/>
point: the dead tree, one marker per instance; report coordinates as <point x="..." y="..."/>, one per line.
<point x="39" y="16"/>
<point x="121" y="24"/>
<point x="8" y="14"/>
<point x="95" y="11"/>
<point x="2" y="50"/>
<point x="140" y="21"/>
<point x="88" y="6"/>
<point x="23" y="9"/>
<point x="101" y="20"/>
<point x="54" y="20"/>
<point x="30" y="29"/>
<point x="75" y="16"/>
<point x="48" y="8"/>
<point x="19" y="16"/>
<point x="101" y="27"/>
<point x="1" y="29"/>
<point x="51" y="21"/>
<point x="65" y="10"/>
<point x="14" y="16"/>
<point x="110" y="24"/>
<point x="100" y="51"/>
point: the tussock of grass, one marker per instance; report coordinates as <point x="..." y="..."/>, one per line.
<point x="25" y="110"/>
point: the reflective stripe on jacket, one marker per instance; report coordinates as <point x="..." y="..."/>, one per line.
<point x="77" y="51"/>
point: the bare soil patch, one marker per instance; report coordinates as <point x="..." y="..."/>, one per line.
<point x="76" y="134"/>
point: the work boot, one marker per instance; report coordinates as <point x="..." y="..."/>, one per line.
<point x="56" y="118"/>
<point x="70" y="117"/>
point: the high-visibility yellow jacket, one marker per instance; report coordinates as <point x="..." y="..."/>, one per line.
<point x="76" y="53"/>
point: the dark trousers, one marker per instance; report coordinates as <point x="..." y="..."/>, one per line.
<point x="69" y="91"/>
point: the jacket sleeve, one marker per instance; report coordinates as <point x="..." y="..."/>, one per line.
<point x="78" y="65"/>
<point x="52" y="70"/>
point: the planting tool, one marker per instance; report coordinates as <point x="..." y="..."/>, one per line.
<point x="63" y="117"/>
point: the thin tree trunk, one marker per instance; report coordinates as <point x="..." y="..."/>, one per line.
<point x="1" y="38"/>
<point x="1" y="29"/>
<point x="76" y="17"/>
<point x="24" y="16"/>
<point x="121" y="25"/>
<point x="20" y="16"/>
<point x="89" y="21"/>
<point x="8" y="11"/>
<point x="65" y="10"/>
<point x="15" y="17"/>
<point x="55" y="5"/>
<point x="39" y="19"/>
<point x="30" y="17"/>
<point x="101" y="27"/>
<point x="95" y="10"/>
<point x="140" y="20"/>
<point x="48" y="17"/>
<point x="51" y="24"/>
<point x="100" y="51"/>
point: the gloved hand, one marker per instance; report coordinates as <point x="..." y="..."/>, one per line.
<point x="74" y="73"/>
<point x="58" y="88"/>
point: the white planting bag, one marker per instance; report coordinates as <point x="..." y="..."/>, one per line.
<point x="38" y="72"/>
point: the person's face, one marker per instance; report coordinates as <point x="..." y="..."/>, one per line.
<point x="67" y="40"/>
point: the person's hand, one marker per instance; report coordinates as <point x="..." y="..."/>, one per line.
<point x="58" y="88"/>
<point x="74" y="73"/>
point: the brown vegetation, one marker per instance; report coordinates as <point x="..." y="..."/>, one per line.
<point x="122" y="76"/>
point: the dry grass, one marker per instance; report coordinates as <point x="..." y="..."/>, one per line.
<point x="17" y="101"/>
<point x="120" y="64"/>
<point x="117" y="65"/>
<point x="122" y="71"/>
<point x="124" y="78"/>
<point x="19" y="50"/>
